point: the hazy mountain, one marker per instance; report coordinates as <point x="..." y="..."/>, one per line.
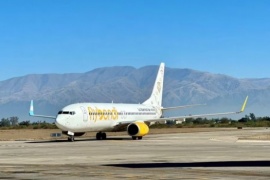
<point x="51" y="92"/>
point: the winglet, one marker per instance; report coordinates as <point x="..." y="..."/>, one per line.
<point x="244" y="105"/>
<point x="31" y="110"/>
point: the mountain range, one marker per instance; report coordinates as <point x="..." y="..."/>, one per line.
<point x="125" y="84"/>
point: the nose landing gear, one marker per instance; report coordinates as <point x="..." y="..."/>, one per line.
<point x="71" y="138"/>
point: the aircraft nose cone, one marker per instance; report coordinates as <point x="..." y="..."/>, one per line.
<point x="60" y="123"/>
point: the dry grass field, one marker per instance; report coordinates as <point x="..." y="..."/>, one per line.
<point x="45" y="134"/>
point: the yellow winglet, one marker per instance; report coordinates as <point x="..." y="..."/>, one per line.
<point x="244" y="105"/>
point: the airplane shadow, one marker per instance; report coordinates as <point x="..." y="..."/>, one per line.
<point x="194" y="164"/>
<point x="77" y="140"/>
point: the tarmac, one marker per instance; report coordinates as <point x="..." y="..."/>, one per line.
<point x="227" y="155"/>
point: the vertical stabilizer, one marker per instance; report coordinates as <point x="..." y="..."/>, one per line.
<point x="156" y="96"/>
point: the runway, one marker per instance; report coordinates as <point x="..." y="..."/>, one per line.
<point x="199" y="155"/>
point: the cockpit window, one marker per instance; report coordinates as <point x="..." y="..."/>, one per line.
<point x="72" y="112"/>
<point x="67" y="112"/>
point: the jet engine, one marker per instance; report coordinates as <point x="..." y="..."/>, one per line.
<point x="137" y="129"/>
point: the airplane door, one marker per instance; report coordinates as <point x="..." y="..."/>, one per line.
<point x="85" y="115"/>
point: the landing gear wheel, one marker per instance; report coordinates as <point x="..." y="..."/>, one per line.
<point x="103" y="136"/>
<point x="140" y="137"/>
<point x="98" y="136"/>
<point x="71" y="138"/>
<point x="134" y="137"/>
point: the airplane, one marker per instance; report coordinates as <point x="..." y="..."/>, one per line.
<point x="77" y="119"/>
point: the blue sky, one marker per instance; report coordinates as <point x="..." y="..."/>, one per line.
<point x="59" y="36"/>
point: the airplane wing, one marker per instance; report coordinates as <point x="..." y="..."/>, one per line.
<point x="123" y="123"/>
<point x="31" y="112"/>
<point x="200" y="115"/>
<point x="180" y="107"/>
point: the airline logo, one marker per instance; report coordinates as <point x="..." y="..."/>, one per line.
<point x="102" y="114"/>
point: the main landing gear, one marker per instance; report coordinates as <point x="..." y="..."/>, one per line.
<point x="135" y="137"/>
<point x="101" y="136"/>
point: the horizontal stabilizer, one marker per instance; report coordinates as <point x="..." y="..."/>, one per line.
<point x="181" y="107"/>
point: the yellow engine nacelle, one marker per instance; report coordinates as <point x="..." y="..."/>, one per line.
<point x="137" y="129"/>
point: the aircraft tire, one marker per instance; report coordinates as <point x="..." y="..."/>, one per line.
<point x="71" y="138"/>
<point x="140" y="137"/>
<point x="98" y="136"/>
<point x="103" y="136"/>
<point x="134" y="137"/>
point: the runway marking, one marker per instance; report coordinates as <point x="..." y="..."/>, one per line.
<point x="225" y="139"/>
<point x="246" y="141"/>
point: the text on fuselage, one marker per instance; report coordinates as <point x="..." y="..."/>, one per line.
<point x="102" y="114"/>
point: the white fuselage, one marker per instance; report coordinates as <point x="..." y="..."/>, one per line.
<point x="85" y="117"/>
